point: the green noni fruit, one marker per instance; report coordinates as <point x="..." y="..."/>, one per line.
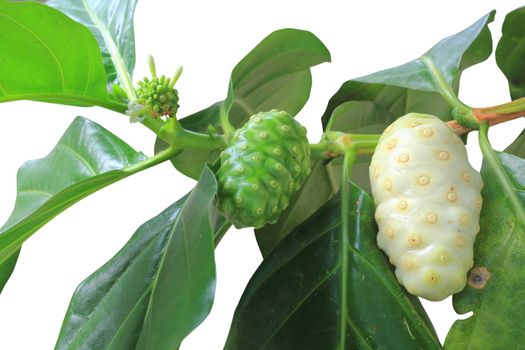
<point x="428" y="203"/>
<point x="265" y="163"/>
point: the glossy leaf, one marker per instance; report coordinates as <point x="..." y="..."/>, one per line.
<point x="158" y="287"/>
<point x="510" y="53"/>
<point x="274" y="75"/>
<point x="317" y="189"/>
<point x="518" y="146"/>
<point x="86" y="159"/>
<point x="496" y="284"/>
<point x="327" y="286"/>
<point x="369" y="104"/>
<point x="111" y="22"/>
<point x="48" y="57"/>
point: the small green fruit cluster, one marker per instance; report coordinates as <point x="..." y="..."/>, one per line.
<point x="158" y="96"/>
<point x="264" y="165"/>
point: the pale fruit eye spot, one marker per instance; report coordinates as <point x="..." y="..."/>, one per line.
<point x="277" y="151"/>
<point x="391" y="144"/>
<point x="291" y="184"/>
<point x="414" y="241"/>
<point x="432" y="218"/>
<point x="408" y="263"/>
<point x="263" y="134"/>
<point x="278" y="166"/>
<point x="256" y="187"/>
<point x="390" y="233"/>
<point x="414" y="124"/>
<point x="452" y="197"/>
<point x="238" y="200"/>
<point x="423" y="180"/>
<point x="403" y="158"/>
<point x="255" y="158"/>
<point x="295" y="149"/>
<point x="285" y="128"/>
<point x="444" y="257"/>
<point x="387" y="185"/>
<point x="297" y="168"/>
<point x="259" y="211"/>
<point x="402" y="204"/>
<point x="376" y="172"/>
<point x="460" y="241"/>
<point x="273" y="183"/>
<point x="466" y="176"/>
<point x="479" y="203"/>
<point x="432" y="277"/>
<point x="465" y="219"/>
<point x="257" y="119"/>
<point x="443" y="155"/>
<point x="427" y="132"/>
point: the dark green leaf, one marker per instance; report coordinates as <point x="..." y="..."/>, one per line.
<point x="317" y="189"/>
<point x="160" y="285"/>
<point x="86" y="159"/>
<point x="274" y="75"/>
<point x="46" y="56"/>
<point x="510" y="53"/>
<point x="496" y="284"/>
<point x="111" y="22"/>
<point x="369" y="104"/>
<point x="325" y="287"/>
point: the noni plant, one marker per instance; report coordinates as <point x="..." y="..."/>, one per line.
<point x="385" y="208"/>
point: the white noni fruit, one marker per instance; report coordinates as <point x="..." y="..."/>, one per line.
<point x="427" y="205"/>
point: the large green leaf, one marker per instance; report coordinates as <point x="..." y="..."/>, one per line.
<point x="160" y="285"/>
<point x="510" y="53"/>
<point x="86" y="159"/>
<point x="316" y="190"/>
<point x="496" y="288"/>
<point x="369" y="104"/>
<point x="327" y="286"/>
<point x="46" y="56"/>
<point x="274" y="75"/>
<point x="111" y="22"/>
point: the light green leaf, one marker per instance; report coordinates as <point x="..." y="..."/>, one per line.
<point x="160" y="285"/>
<point x="48" y="57"/>
<point x="86" y="159"/>
<point x="274" y="75"/>
<point x="111" y="22"/>
<point x="510" y="53"/>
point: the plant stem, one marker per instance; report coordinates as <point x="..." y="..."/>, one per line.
<point x="335" y="144"/>
<point x="152" y="161"/>
<point x="493" y="115"/>
<point x="179" y="138"/>
<point x="491" y="159"/>
<point x="227" y="128"/>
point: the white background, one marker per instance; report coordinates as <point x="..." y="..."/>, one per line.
<point x="208" y="38"/>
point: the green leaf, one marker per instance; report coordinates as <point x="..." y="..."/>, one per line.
<point x="111" y="22"/>
<point x="274" y="75"/>
<point x="510" y="53"/>
<point x="327" y="286"/>
<point x="496" y="283"/>
<point x="518" y="146"/>
<point x="317" y="189"/>
<point x="48" y="57"/>
<point x="369" y="104"/>
<point x="86" y="159"/>
<point x="158" y="287"/>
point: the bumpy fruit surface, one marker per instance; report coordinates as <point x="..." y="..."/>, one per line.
<point x="265" y="163"/>
<point x="158" y="96"/>
<point x="428" y="204"/>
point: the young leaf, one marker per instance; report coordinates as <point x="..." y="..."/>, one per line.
<point x="497" y="281"/>
<point x="327" y="286"/>
<point x="274" y="75"/>
<point x="111" y="22"/>
<point x="317" y="189"/>
<point x="48" y="57"/>
<point x="510" y="52"/>
<point x="86" y="159"/>
<point x="499" y="255"/>
<point x="158" y="287"/>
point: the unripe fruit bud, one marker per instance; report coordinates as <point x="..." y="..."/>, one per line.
<point x="428" y="203"/>
<point x="265" y="163"/>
